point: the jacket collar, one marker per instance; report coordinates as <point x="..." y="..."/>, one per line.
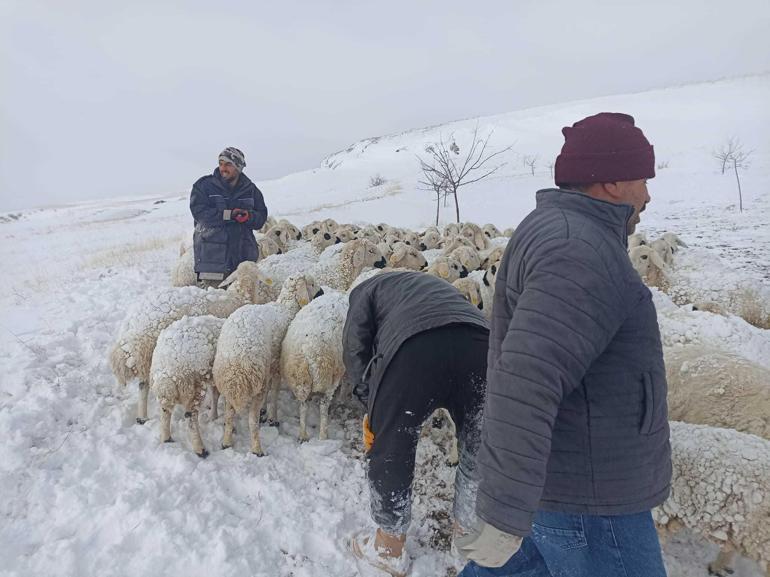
<point x="243" y="182"/>
<point x="614" y="216"/>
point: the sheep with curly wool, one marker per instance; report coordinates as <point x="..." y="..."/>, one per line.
<point x="707" y="386"/>
<point x="339" y="269"/>
<point x="131" y="355"/>
<point x="247" y="360"/>
<point x="183" y="273"/>
<point x="405" y="256"/>
<point x="311" y="356"/>
<point x="181" y="371"/>
<point x="720" y="489"/>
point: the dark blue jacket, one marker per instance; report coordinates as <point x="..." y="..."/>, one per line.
<point x="576" y="417"/>
<point x="220" y="244"/>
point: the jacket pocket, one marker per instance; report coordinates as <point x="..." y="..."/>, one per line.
<point x="559" y="530"/>
<point x="654" y="411"/>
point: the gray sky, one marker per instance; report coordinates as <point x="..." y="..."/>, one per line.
<point x="103" y="98"/>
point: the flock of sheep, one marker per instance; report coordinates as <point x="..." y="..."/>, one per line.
<point x="271" y="325"/>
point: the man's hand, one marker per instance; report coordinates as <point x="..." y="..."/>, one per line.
<point x="240" y="215"/>
<point x="487" y="546"/>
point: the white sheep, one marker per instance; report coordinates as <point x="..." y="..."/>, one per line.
<point x="294" y="232"/>
<point x="183" y="273"/>
<point x="637" y="239"/>
<point x="267" y="246"/>
<point x="405" y="256"/>
<point x="474" y="233"/>
<point x="664" y="249"/>
<point x="650" y="266"/>
<point x="452" y="229"/>
<point x="447" y="268"/>
<point x="469" y="288"/>
<point x="491" y="230"/>
<point x="281" y="235"/>
<point x="707" y="386"/>
<point x="338" y="269"/>
<point x="181" y="371"/>
<point x="467" y="256"/>
<point x="508" y="232"/>
<point x="487" y="288"/>
<point x="491" y="256"/>
<point x="456" y="242"/>
<point x="673" y="240"/>
<point x="247" y="361"/>
<point x="131" y="355"/>
<point x="430" y="239"/>
<point x="269" y="223"/>
<point x="720" y="489"/>
<point x="311" y="356"/>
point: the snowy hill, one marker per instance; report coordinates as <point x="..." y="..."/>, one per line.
<point x="89" y="492"/>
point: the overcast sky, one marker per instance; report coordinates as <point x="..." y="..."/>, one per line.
<point x="109" y="98"/>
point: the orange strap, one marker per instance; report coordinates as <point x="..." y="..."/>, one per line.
<point x="368" y="435"/>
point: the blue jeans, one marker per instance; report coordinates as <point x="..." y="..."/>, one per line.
<point x="572" y="545"/>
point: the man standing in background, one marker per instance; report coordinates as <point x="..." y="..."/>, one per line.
<point x="226" y="207"/>
<point x="575" y="440"/>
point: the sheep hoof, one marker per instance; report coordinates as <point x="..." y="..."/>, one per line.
<point x="451" y="463"/>
<point x="273" y="423"/>
<point x="304" y="439"/>
<point x="226" y="446"/>
<point x="258" y="454"/>
<point x="169" y="440"/>
<point x="203" y="454"/>
<point x="141" y="420"/>
<point x="720" y="571"/>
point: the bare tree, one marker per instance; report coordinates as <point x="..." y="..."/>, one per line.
<point x="530" y="161"/>
<point x="432" y="181"/>
<point x="446" y="165"/>
<point x="732" y="153"/>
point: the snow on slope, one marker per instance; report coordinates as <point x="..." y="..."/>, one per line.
<point x="88" y="492"/>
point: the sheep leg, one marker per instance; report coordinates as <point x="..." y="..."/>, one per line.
<point x="323" y="427"/>
<point x="165" y="424"/>
<point x="144" y="390"/>
<point x="195" y="433"/>
<point x="227" y="437"/>
<point x="272" y="405"/>
<point x="214" y="414"/>
<point x="303" y="436"/>
<point x="256" y="405"/>
<point x="722" y="566"/>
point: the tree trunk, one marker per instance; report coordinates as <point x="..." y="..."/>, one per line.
<point x="438" y="204"/>
<point x="457" y="207"/>
<point x="740" y="195"/>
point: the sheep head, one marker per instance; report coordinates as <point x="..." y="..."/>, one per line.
<point x="649" y="265"/>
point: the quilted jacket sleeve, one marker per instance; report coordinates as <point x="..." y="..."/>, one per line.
<point x="259" y="214"/>
<point x="566" y="310"/>
<point x="358" y="333"/>
<point x="205" y="208"/>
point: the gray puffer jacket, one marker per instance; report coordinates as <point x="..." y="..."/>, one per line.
<point x="387" y="309"/>
<point x="576" y="417"/>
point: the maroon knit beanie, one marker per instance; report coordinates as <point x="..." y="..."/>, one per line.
<point x="606" y="147"/>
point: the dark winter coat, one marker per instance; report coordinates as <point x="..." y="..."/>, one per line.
<point x="576" y="416"/>
<point x="220" y="243"/>
<point x="387" y="309"/>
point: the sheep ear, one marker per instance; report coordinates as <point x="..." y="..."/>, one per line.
<point x="399" y="254"/>
<point x="443" y="270"/>
<point x="303" y="293"/>
<point x="656" y="260"/>
<point x="358" y="256"/>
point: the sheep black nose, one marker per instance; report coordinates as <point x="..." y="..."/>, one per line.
<point x="480" y="305"/>
<point x="319" y="293"/>
<point x="423" y="267"/>
<point x="423" y="247"/>
<point x="299" y="235"/>
<point x="464" y="272"/>
<point x="337" y="240"/>
<point x="380" y="263"/>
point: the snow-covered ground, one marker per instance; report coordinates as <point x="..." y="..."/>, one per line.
<point x="86" y="491"/>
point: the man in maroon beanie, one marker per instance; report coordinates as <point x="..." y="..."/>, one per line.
<point x="574" y="449"/>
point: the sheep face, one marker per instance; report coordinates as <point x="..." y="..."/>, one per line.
<point x="509" y="232"/>
<point x="492" y="257"/>
<point x="664" y="249"/>
<point x="411" y="239"/>
<point x="468" y="257"/>
<point x="648" y="264"/>
<point x="491" y="231"/>
<point x="250" y="283"/>
<point x="345" y="234"/>
<point x="407" y="257"/>
<point x="447" y="268"/>
<point x="293" y="231"/>
<point x="470" y="291"/>
<point x="456" y="242"/>
<point x="279" y="235"/>
<point x="490" y="276"/>
<point x="637" y="239"/>
<point x="431" y="239"/>
<point x="474" y="234"/>
<point x="365" y="253"/>
<point x="321" y="240"/>
<point x="452" y="229"/>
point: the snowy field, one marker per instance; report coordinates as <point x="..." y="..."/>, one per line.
<point x="86" y="491"/>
